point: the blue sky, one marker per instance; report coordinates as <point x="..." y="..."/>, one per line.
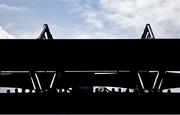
<point x="23" y="19"/>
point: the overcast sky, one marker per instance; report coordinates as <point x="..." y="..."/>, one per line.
<point x="23" y="19"/>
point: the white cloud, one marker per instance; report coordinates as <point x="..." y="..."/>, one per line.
<point x="5" y="35"/>
<point x="93" y="20"/>
<point x="96" y="35"/>
<point x="132" y="15"/>
<point x="115" y="19"/>
<point x="75" y="33"/>
<point x="9" y="8"/>
<point x="57" y="31"/>
<point x="127" y="18"/>
<point x="34" y="34"/>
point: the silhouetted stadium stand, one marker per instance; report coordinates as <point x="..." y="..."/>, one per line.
<point x="124" y="79"/>
<point x="69" y="80"/>
<point x="16" y="80"/>
<point x="148" y="80"/>
<point x="170" y="80"/>
<point x="73" y="91"/>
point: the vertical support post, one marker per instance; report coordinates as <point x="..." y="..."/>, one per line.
<point x="35" y="80"/>
<point x="157" y="87"/>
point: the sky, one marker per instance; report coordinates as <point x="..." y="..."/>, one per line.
<point x="89" y="19"/>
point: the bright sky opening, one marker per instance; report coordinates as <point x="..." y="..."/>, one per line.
<point x="89" y="19"/>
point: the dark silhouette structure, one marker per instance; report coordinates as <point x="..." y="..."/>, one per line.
<point x="45" y="33"/>
<point x="148" y="33"/>
<point x="75" y="76"/>
<point x="16" y="90"/>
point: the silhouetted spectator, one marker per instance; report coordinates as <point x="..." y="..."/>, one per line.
<point x="23" y="90"/>
<point x="8" y="91"/>
<point x="127" y="90"/>
<point x="66" y="90"/>
<point x="60" y="91"/>
<point x="30" y="90"/>
<point x="96" y="90"/>
<point x="169" y="91"/>
<point x="113" y="90"/>
<point x="16" y="90"/>
<point x="106" y="90"/>
<point x="119" y="90"/>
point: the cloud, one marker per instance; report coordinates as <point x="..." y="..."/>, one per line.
<point x="5" y="35"/>
<point x="34" y="34"/>
<point x="96" y="35"/>
<point x="127" y="18"/>
<point x="9" y="8"/>
<point x="74" y="33"/>
<point x="93" y="20"/>
<point x="113" y="19"/>
<point x="132" y="15"/>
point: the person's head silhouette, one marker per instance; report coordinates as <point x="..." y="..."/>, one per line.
<point x="23" y="90"/>
<point x="127" y="90"/>
<point x="8" y="91"/>
<point x="96" y="90"/>
<point x="119" y="90"/>
<point x="113" y="90"/>
<point x="169" y="91"/>
<point x="60" y="91"/>
<point x="30" y="90"/>
<point x="16" y="90"/>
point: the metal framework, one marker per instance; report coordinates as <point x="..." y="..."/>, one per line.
<point x="45" y="33"/>
<point x="148" y="33"/>
<point x="66" y="73"/>
<point x="137" y="79"/>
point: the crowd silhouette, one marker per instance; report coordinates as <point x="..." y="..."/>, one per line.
<point x="97" y="91"/>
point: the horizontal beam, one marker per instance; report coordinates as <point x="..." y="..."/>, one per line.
<point x="121" y="54"/>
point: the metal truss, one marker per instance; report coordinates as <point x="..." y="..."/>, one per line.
<point x="148" y="33"/>
<point x="45" y="33"/>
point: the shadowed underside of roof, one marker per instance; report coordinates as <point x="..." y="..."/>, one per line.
<point x="48" y="54"/>
<point x="89" y="54"/>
